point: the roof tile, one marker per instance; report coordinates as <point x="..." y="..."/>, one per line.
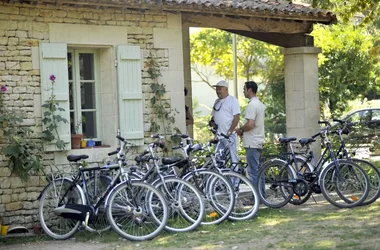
<point x="249" y="6"/>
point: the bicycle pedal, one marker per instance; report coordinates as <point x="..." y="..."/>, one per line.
<point x="82" y="227"/>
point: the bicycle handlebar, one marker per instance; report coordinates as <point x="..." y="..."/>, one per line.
<point x="325" y="122"/>
<point x="114" y="152"/>
<point x="316" y="135"/>
<point x="225" y="136"/>
<point x="214" y="131"/>
<point x="120" y="138"/>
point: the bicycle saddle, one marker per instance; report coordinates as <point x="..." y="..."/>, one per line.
<point x="76" y="158"/>
<point x="304" y="141"/>
<point x="170" y="160"/>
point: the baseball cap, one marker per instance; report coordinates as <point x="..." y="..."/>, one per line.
<point x="221" y="83"/>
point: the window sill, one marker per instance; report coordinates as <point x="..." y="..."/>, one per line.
<point x="102" y="146"/>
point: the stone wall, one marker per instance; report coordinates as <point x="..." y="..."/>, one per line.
<point x="22" y="28"/>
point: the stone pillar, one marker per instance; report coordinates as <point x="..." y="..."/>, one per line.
<point x="302" y="91"/>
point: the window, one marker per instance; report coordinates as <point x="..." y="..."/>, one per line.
<point x="355" y="117"/>
<point x="86" y="76"/>
<point x="83" y="93"/>
<point x="376" y="115"/>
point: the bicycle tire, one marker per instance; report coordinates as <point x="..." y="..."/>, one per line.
<point x="98" y="223"/>
<point x="244" y="191"/>
<point x="55" y="226"/>
<point x="346" y="186"/>
<point x="274" y="183"/>
<point x="136" y="211"/>
<point x="185" y="203"/>
<point x="374" y="179"/>
<point x="217" y="193"/>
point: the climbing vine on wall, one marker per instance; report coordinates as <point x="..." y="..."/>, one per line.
<point x="163" y="114"/>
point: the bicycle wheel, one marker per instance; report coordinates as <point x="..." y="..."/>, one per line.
<point x="374" y="180"/>
<point x="217" y="193"/>
<point x="95" y="188"/>
<point x="344" y="185"/>
<point x="275" y="183"/>
<point x="302" y="191"/>
<point x="185" y="203"/>
<point x="247" y="199"/>
<point x="54" y="225"/>
<point x="137" y="211"/>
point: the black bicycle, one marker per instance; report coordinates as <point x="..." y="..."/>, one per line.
<point x="343" y="183"/>
<point x="135" y="210"/>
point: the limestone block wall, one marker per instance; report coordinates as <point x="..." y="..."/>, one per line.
<point x="23" y="27"/>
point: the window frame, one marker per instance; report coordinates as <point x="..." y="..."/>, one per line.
<point x="76" y="84"/>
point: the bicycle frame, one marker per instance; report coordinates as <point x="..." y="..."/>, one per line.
<point x="156" y="171"/>
<point x="80" y="181"/>
<point x="327" y="155"/>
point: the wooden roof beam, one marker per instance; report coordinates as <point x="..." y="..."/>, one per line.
<point x="282" y="40"/>
<point x="252" y="24"/>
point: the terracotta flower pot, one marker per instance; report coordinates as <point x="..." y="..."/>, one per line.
<point x="76" y="140"/>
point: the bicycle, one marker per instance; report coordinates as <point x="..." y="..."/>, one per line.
<point x="372" y="171"/>
<point x="135" y="210"/>
<point x="246" y="195"/>
<point x="185" y="202"/>
<point x="215" y="185"/>
<point x="343" y="183"/>
<point x="342" y="153"/>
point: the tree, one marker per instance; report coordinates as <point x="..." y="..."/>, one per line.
<point x="344" y="76"/>
<point x="213" y="47"/>
<point x="256" y="60"/>
<point x="346" y="9"/>
<point x="347" y="66"/>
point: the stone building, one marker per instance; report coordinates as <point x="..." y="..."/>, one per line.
<point x="98" y="50"/>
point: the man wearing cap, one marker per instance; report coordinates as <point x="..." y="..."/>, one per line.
<point x="226" y="114"/>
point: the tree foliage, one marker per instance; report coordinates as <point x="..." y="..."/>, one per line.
<point x="346" y="9"/>
<point x="255" y="60"/>
<point x="347" y="66"/>
<point x="213" y="47"/>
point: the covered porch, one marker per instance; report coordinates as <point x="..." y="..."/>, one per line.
<point x="278" y="23"/>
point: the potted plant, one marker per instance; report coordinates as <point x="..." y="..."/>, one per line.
<point x="76" y="137"/>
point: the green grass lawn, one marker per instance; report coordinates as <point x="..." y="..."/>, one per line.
<point x="309" y="226"/>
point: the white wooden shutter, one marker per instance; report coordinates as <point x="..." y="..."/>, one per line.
<point x="130" y="94"/>
<point x="53" y="61"/>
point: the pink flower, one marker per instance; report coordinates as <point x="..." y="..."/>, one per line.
<point x="52" y="78"/>
<point x="3" y="88"/>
